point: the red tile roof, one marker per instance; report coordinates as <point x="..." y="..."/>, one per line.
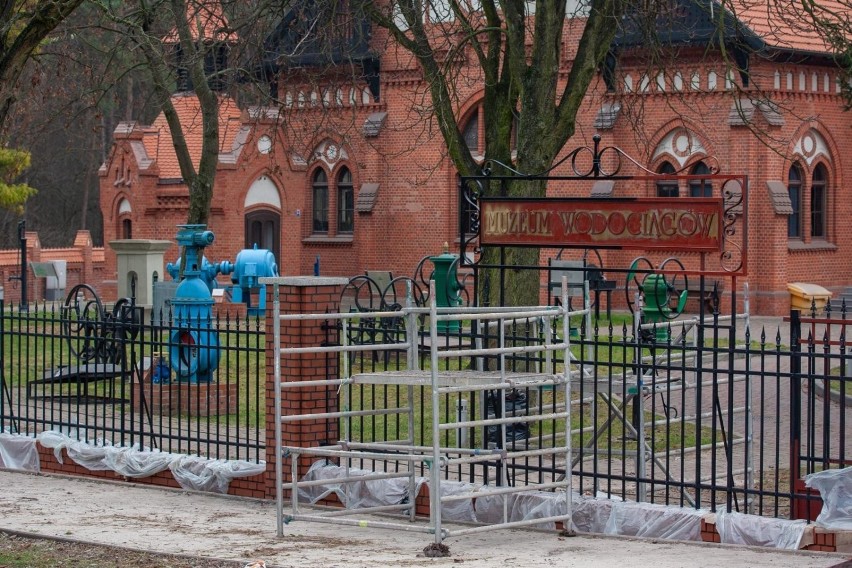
<point x="786" y="25"/>
<point x="206" y="19"/>
<point x="158" y="140"/>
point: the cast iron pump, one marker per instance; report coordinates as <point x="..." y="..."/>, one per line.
<point x="664" y="293"/>
<point x="447" y="287"/>
<point x="194" y="345"/>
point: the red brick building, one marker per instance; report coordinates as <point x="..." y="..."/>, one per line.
<point x="345" y="170"/>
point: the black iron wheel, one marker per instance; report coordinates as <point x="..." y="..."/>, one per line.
<point x="640" y="268"/>
<point x="83" y="318"/>
<point x="677" y="286"/>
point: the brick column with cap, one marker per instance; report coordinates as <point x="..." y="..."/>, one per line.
<point x="302" y="295"/>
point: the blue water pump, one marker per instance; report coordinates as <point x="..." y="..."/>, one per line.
<point x="250" y="265"/>
<point x="207" y="273"/>
<point x="194" y="345"/>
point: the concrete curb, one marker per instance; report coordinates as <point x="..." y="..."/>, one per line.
<point x="846" y="400"/>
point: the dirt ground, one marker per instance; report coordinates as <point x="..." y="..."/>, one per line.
<point x="17" y="551"/>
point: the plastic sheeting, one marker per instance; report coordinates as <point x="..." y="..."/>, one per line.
<point x="201" y="474"/>
<point x="19" y="452"/>
<point x="835" y="488"/>
<point x="132" y="462"/>
<point x="355" y="494"/>
<point x="524" y="506"/>
<point x="591" y="515"/>
<point x="191" y="472"/>
<point x="378" y="492"/>
<point x="477" y="509"/>
<point x="461" y="510"/>
<point x="738" y="528"/>
<point x="649" y="520"/>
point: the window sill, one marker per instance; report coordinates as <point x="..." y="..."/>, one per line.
<point x="813" y="246"/>
<point x="329" y="240"/>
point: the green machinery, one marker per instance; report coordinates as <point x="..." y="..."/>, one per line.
<point x="663" y="292"/>
<point x="448" y="289"/>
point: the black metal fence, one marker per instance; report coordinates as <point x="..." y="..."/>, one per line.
<point x="820" y="397"/>
<point x="117" y="378"/>
<point x="710" y="413"/>
<point x="701" y="412"/>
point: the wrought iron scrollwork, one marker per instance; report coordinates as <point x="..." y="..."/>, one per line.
<point x="471" y="190"/>
<point x="731" y="257"/>
<point x="597" y="162"/>
<point x="590" y="162"/>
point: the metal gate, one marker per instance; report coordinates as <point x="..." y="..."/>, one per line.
<point x="820" y="400"/>
<point x="665" y="400"/>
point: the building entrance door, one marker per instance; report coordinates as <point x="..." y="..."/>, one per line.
<point x="263" y="228"/>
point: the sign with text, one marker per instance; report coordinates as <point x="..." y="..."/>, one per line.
<point x="683" y="223"/>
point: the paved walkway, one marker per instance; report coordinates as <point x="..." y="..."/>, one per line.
<point x="161" y="520"/>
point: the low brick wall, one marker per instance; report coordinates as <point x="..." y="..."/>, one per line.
<point x="815" y="538"/>
<point x="201" y="399"/>
<point x="254" y="486"/>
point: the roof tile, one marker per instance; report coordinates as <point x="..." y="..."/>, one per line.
<point x="158" y="141"/>
<point x="787" y="25"/>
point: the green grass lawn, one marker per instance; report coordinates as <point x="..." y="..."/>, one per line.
<point x="30" y="352"/>
<point x="36" y="345"/>
<point x="840" y="385"/>
<point x="585" y="420"/>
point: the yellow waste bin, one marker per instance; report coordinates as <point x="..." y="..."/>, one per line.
<point x="804" y="296"/>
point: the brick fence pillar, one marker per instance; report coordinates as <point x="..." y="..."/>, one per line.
<point x="34" y="287"/>
<point x="302" y="295"/>
<point x="83" y="243"/>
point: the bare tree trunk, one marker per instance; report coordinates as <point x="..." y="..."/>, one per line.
<point x="519" y="59"/>
<point x="42" y="18"/>
<point x="128" y="108"/>
<point x="84" y="210"/>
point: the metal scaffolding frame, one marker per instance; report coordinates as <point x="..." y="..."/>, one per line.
<point x="438" y="380"/>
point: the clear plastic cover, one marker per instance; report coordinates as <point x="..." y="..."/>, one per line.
<point x="654" y="521"/>
<point x="738" y="528"/>
<point x="19" y="452"/>
<point x="191" y="472"/>
<point x="356" y="494"/>
<point x="835" y="488"/>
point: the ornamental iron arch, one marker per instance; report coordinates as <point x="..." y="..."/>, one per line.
<point x="627" y="221"/>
